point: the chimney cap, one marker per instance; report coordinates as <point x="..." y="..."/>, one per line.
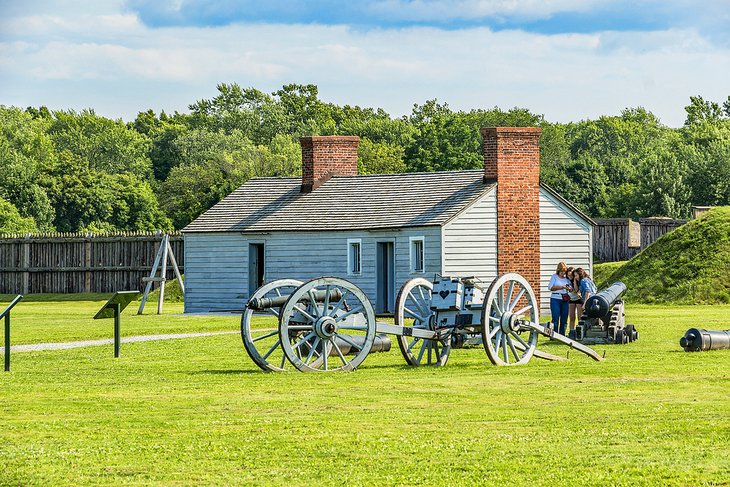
<point x="330" y="138"/>
<point x="511" y="130"/>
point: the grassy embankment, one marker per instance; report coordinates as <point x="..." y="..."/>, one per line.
<point x="689" y="265"/>
<point x="197" y="411"/>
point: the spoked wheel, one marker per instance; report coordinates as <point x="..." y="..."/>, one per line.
<point x="412" y="309"/>
<point x="311" y="324"/>
<point x="503" y="332"/>
<point x="263" y="344"/>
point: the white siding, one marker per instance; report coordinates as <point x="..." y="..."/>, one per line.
<point x="470" y="240"/>
<point x="216" y="271"/>
<point x="216" y="264"/>
<point x="564" y="236"/>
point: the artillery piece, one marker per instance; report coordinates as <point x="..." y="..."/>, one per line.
<point x="699" y="340"/>
<point x="603" y="318"/>
<point x="329" y="324"/>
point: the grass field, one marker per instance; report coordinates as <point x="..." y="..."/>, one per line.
<point x="197" y="411"/>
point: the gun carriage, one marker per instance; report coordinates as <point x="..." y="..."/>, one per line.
<point x="603" y="318"/>
<point x="328" y="323"/>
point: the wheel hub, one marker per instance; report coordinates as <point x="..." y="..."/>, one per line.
<point x="509" y="322"/>
<point x="325" y="327"/>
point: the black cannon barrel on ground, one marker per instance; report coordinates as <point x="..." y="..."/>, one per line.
<point x="698" y="340"/>
<point x="600" y="304"/>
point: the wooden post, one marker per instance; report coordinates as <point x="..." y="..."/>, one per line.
<point x="87" y="264"/>
<point x="26" y="265"/>
<point x="150" y="280"/>
<point x="173" y="261"/>
<point x="163" y="274"/>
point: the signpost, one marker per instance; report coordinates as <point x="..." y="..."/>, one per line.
<point x="6" y="314"/>
<point x="113" y="309"/>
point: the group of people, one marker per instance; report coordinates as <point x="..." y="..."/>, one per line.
<point x="570" y="289"/>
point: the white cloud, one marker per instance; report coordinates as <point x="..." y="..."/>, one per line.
<point x="113" y="63"/>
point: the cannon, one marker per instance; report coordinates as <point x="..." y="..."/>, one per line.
<point x="329" y="324"/>
<point x="697" y="340"/>
<point x="603" y="318"/>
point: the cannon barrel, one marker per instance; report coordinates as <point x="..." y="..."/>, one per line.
<point x="259" y="304"/>
<point x="381" y="343"/>
<point x="600" y="304"/>
<point x="697" y="340"/>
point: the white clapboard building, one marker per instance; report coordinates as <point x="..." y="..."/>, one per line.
<point x="379" y="231"/>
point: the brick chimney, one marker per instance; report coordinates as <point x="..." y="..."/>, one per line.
<point x="512" y="160"/>
<point x="327" y="156"/>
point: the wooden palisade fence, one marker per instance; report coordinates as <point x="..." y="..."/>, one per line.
<point x="619" y="239"/>
<point x="76" y="262"/>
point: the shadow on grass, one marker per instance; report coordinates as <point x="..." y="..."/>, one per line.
<point x="228" y="372"/>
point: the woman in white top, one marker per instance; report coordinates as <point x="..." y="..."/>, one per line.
<point x="559" y="286"/>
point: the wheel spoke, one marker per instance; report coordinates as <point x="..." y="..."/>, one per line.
<point x="352" y="311"/>
<point x="311" y="350"/>
<point x="313" y="302"/>
<point x="307" y="315"/>
<point x="346" y="339"/>
<point x="497" y="340"/>
<point x="509" y="296"/>
<point x="420" y="354"/>
<point x="325" y="354"/>
<point x="306" y="338"/>
<point x="519" y="339"/>
<point x="512" y="347"/>
<point x="410" y="346"/>
<point x="267" y="335"/>
<point x="517" y="298"/>
<point x="494" y="331"/>
<point x="339" y="303"/>
<point x="274" y="312"/>
<point x="300" y="327"/>
<point x="326" y="300"/>
<point x="274" y="347"/>
<point x="339" y="352"/>
<point x="495" y="319"/>
<point x="283" y="362"/>
<point x="504" y="348"/>
<point x="500" y="300"/>
<point x="526" y="308"/>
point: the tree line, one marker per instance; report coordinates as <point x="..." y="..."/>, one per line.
<point x="72" y="171"/>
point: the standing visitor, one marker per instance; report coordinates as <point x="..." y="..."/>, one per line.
<point x="559" y="286"/>
<point x="574" y="305"/>
<point x="587" y="287"/>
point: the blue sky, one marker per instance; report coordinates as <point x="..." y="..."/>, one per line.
<point x="566" y="59"/>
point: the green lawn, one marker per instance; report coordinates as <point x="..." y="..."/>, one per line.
<point x="197" y="411"/>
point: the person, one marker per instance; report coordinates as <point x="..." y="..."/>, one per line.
<point x="586" y="287"/>
<point x="575" y="302"/>
<point x="559" y="286"/>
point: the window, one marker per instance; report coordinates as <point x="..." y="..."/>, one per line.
<point x="354" y="256"/>
<point x="417" y="254"/>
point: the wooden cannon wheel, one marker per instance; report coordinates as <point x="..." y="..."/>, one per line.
<point x="262" y="344"/>
<point x="310" y="329"/>
<point x="503" y="321"/>
<point x="412" y="309"/>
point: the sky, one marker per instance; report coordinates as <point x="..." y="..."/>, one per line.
<point x="566" y="59"/>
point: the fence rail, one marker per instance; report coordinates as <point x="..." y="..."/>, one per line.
<point x="75" y="263"/>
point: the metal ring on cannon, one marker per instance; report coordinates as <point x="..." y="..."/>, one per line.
<point x="502" y="320"/>
<point x="310" y="329"/>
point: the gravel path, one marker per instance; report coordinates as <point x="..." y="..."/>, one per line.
<point x="38" y="347"/>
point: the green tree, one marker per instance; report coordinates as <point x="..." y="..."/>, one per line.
<point x="106" y="145"/>
<point x="25" y="152"/>
<point x="12" y="222"/>
<point x="379" y="158"/>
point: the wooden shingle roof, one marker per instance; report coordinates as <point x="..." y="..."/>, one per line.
<point x="362" y="202"/>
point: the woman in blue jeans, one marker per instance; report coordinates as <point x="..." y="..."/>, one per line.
<point x="559" y="300"/>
